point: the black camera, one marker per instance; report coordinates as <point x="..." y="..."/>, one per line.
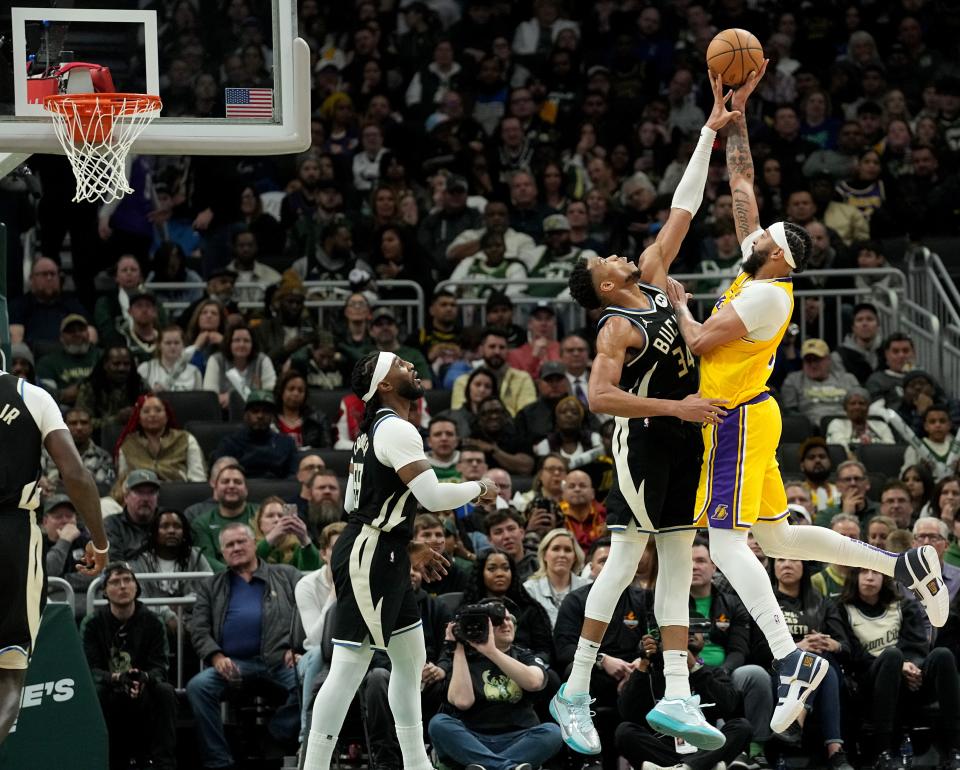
<point x="472" y="623"/>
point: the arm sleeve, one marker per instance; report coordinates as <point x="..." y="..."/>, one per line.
<point x="434" y="496"/>
<point x="763" y="308"/>
<point x="689" y="193"/>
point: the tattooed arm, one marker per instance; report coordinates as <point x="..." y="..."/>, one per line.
<point x="746" y="217"/>
<point x="739" y="162"/>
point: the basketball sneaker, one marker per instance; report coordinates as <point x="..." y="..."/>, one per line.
<point x="575" y="718"/>
<point x="919" y="570"/>
<point x="800" y="673"/>
<point x="682" y="718"/>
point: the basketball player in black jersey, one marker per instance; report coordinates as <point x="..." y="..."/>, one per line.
<point x="29" y="421"/>
<point x="645" y="377"/>
<point x="371" y="561"/>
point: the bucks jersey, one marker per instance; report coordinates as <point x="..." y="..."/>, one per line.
<point x="657" y="459"/>
<point x="664" y="367"/>
<point x="379" y="498"/>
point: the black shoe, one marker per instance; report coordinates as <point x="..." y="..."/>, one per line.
<point x="838" y="761"/>
<point x="793" y="735"/>
<point x="744" y="762"/>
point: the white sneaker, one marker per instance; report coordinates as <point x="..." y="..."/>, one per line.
<point x="651" y="766"/>
<point x="919" y="570"/>
<point x="800" y="674"/>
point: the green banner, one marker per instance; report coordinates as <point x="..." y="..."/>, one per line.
<point x="60" y="722"/>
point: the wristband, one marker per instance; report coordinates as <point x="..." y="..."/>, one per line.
<point x="100" y="550"/>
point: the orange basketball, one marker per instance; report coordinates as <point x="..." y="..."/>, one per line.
<point x="734" y="54"/>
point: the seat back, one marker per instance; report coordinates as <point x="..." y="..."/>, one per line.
<point x="193" y="405"/>
<point x="882" y="458"/>
<point x="209" y="434"/>
<point x="451" y="601"/>
<point x="180" y="495"/>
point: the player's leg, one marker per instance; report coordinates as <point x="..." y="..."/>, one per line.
<point x="11" y="688"/>
<point x="23" y="581"/>
<point x="571" y="705"/>
<point x="743" y="449"/>
<point x="347" y="669"/>
<point x="678" y="712"/>
<point x="408" y="656"/>
<point x="917" y="568"/>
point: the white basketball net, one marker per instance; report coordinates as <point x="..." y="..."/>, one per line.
<point x="98" y="150"/>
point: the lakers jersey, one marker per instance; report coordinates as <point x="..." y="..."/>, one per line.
<point x="738" y="370"/>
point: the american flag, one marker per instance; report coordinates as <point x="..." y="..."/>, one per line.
<point x="249" y="102"/>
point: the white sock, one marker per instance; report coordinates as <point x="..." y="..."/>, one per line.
<point x="789" y="541"/>
<point x="412" y="748"/>
<point x="584" y="659"/>
<point x="749" y="579"/>
<point x="676" y="673"/>
<point x="319" y="751"/>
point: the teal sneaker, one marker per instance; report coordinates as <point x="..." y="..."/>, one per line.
<point x="575" y="719"/>
<point x="682" y="718"/>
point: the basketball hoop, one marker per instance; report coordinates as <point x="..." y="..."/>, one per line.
<point x="96" y="132"/>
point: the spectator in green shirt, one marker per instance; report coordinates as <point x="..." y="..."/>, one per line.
<point x="442" y="441"/>
<point x="63" y="370"/>
<point x="282" y="536"/>
<point x="230" y="492"/>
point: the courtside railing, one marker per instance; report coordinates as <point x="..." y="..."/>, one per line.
<point x="325" y="297"/>
<point x="177" y="603"/>
<point x="69" y="595"/>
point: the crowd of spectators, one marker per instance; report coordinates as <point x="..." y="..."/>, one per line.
<point x="489" y="145"/>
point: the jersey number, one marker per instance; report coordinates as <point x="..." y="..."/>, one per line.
<point x="357" y="478"/>
<point x="685" y="359"/>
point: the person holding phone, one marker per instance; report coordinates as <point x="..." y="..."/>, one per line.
<point x="282" y="536"/>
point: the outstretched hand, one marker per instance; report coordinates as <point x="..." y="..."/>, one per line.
<point x="742" y="93"/>
<point x="720" y="115"/>
<point x="432" y="565"/>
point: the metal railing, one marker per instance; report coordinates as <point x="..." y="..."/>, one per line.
<point x="933" y="292"/>
<point x="573" y="315"/>
<point x="412" y="309"/>
<point x="177" y="602"/>
<point x="70" y="594"/>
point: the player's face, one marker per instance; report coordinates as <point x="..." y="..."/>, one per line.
<point x="403" y="378"/>
<point x="761" y="252"/>
<point x="614" y="272"/>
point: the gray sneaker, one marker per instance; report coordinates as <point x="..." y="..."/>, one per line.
<point x="576" y="721"/>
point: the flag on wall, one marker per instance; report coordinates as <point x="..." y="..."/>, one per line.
<point x="249" y="102"/>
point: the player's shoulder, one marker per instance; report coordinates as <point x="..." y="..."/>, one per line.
<point x="617" y="324"/>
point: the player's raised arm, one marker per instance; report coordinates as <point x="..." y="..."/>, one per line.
<point x="746" y="216"/>
<point x="606" y="396"/>
<point x="657" y="258"/>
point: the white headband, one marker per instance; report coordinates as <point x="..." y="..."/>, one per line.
<point x="384" y="362"/>
<point x="779" y="235"/>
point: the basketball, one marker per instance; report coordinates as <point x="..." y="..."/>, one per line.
<point x="734" y="54"/>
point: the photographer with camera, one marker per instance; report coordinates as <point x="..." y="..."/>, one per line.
<point x="126" y="648"/>
<point x="641" y="746"/>
<point x="489" y="722"/>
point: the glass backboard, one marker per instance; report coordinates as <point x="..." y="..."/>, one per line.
<point x="232" y="75"/>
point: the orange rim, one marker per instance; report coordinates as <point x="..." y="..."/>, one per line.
<point x="89" y="104"/>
